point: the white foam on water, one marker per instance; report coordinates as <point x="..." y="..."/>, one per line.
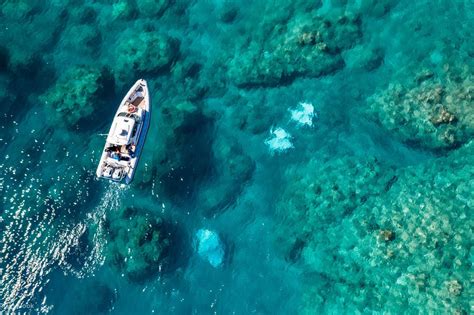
<point x="279" y="140"/>
<point x="30" y="247"/>
<point x="35" y="240"/>
<point x="304" y="114"/>
<point x="110" y="201"/>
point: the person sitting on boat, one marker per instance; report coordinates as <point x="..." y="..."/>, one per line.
<point x="131" y="108"/>
<point x="116" y="154"/>
<point x="131" y="150"/>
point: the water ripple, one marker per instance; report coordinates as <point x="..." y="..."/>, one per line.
<point x="38" y="235"/>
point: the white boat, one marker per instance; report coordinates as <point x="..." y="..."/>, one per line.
<point x="127" y="135"/>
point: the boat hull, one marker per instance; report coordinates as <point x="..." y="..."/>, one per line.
<point x="123" y="147"/>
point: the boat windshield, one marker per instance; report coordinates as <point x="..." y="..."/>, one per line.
<point x="124" y="114"/>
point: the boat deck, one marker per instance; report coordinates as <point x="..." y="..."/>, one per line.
<point x="123" y="146"/>
<point x="139" y="102"/>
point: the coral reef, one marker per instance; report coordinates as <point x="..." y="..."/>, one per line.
<point x="392" y="238"/>
<point x="431" y="113"/>
<point x="138" y="243"/>
<point x="77" y="94"/>
<point x="331" y="191"/>
<point x="25" y="55"/>
<point x="187" y="80"/>
<point x="82" y="40"/>
<point x="145" y="52"/>
<point x="307" y="45"/>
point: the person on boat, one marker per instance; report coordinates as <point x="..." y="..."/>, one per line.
<point x="131" y="108"/>
<point x="131" y="150"/>
<point x="116" y="154"/>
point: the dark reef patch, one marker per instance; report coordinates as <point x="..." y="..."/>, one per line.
<point x="148" y="52"/>
<point x="307" y="45"/>
<point x="232" y="169"/>
<point x="79" y="97"/>
<point x="140" y="243"/>
<point x="190" y="156"/>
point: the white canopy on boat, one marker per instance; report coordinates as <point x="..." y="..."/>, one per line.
<point x="122" y="130"/>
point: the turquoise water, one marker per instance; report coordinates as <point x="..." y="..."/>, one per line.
<point x="304" y="157"/>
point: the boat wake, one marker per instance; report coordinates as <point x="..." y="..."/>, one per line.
<point x="38" y="236"/>
<point x="110" y="201"/>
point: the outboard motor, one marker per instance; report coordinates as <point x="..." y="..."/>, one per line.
<point x="108" y="171"/>
<point x="117" y="174"/>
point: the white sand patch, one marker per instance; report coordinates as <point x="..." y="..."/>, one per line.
<point x="279" y="140"/>
<point x="304" y="114"/>
<point x="210" y="247"/>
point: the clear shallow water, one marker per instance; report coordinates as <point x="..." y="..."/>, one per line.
<point x="311" y="229"/>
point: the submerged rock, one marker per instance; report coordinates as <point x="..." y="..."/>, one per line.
<point x="138" y="243"/>
<point x="26" y="19"/>
<point x="420" y="226"/>
<point x="325" y="192"/>
<point x="429" y="112"/>
<point x="386" y="236"/>
<point x="81" y="40"/>
<point x="78" y="94"/>
<point x="306" y="45"/>
<point x="146" y="52"/>
<point x="210" y="247"/>
<point x="454" y="287"/>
